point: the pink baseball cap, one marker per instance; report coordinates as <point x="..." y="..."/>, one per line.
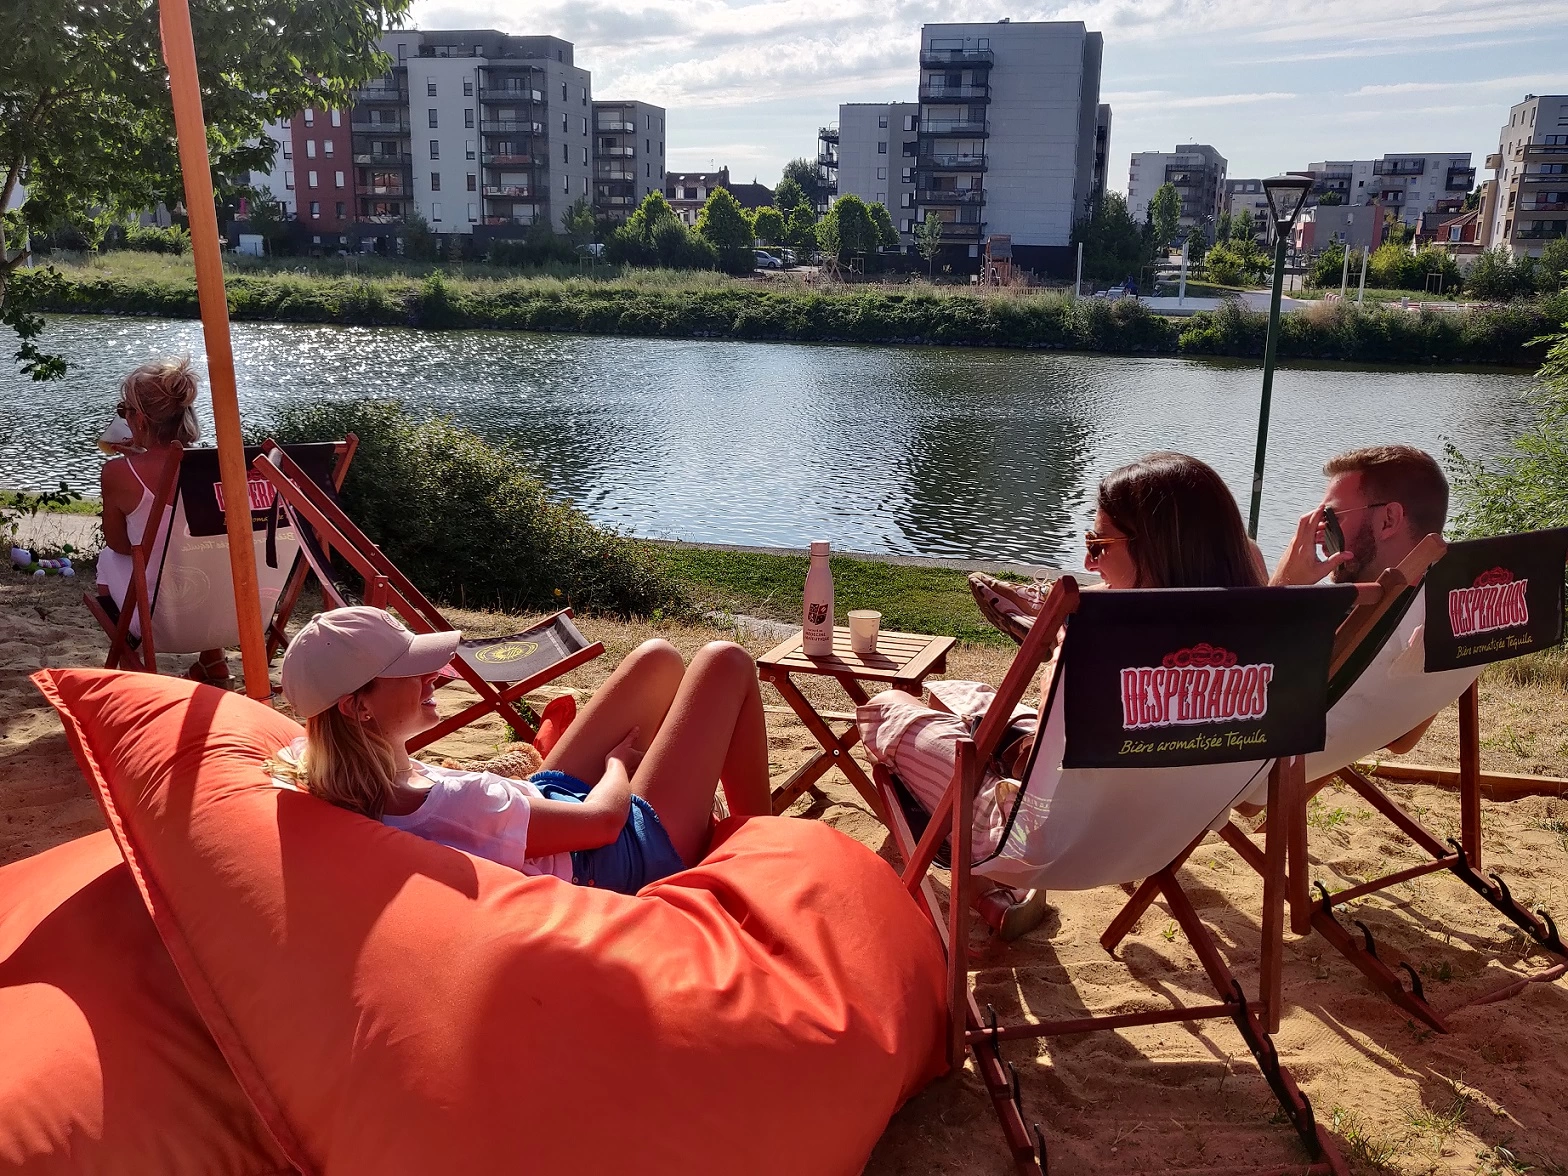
<point x="340" y="651"/>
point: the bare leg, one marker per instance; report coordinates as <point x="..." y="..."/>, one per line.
<point x="637" y="694"/>
<point x="715" y="731"/>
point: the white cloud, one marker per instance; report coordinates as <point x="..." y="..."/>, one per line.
<point x="1130" y="100"/>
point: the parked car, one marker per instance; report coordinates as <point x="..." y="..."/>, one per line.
<point x="787" y="256"/>
<point x="767" y="261"/>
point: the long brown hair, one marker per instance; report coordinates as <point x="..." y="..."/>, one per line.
<point x="345" y="762"/>
<point x="1185" y="526"/>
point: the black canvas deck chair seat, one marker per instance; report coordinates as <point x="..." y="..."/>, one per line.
<point x="1466" y="606"/>
<point x="501" y="670"/>
<point x="1164" y="708"/>
<point x="181" y="598"/>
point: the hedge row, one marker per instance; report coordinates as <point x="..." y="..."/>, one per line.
<point x="1332" y="331"/>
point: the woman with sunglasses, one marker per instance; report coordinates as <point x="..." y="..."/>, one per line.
<point x="157" y="407"/>
<point x="1164" y="521"/>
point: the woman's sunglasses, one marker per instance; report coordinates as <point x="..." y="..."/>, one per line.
<point x="1096" y="544"/>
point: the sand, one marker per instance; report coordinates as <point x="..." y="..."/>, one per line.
<point x="1488" y="1098"/>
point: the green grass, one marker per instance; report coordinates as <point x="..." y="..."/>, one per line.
<point x="910" y="599"/>
<point x="85" y="506"/>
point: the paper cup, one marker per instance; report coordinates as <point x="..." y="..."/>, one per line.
<point x="863" y="626"/>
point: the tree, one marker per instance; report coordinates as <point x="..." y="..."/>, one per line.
<point x="1493" y="275"/>
<point x="928" y="241"/>
<point x="808" y="179"/>
<point x="419" y="243"/>
<point x="1242" y="228"/>
<point x="769" y="226"/>
<point x="1113" y="244"/>
<point x="1472" y="199"/>
<point x="887" y="235"/>
<point x="1330" y="200"/>
<point x="724" y="225"/>
<point x="1222" y="229"/>
<point x="86" y="123"/>
<point x="578" y="224"/>
<point x="802" y="230"/>
<point x="1551" y="269"/>
<point x="265" y="217"/>
<point x="1197" y="244"/>
<point x="788" y="196"/>
<point x="1165" y="214"/>
<point x="851" y="227"/>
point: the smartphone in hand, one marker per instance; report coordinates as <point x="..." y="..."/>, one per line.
<point x="1333" y="533"/>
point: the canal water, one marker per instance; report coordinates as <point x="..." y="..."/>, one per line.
<point x="911" y="450"/>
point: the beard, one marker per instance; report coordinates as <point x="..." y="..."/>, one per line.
<point x="1363" y="549"/>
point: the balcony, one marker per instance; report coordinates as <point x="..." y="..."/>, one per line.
<point x="508" y="191"/>
<point x="943" y="58"/>
<point x="939" y="92"/>
<point x="949" y="196"/>
<point x="519" y="96"/>
<point x="1399" y="167"/>
<point x="492" y="159"/>
<point x="958" y="128"/>
<point x="399" y="126"/>
<point x="1460" y="179"/>
<point x="511" y="127"/>
<point x="827" y="160"/>
<point x="613" y="176"/>
<point x="959" y="231"/>
<point x="1539" y="234"/>
<point x="1541" y="176"/>
<point x="616" y="152"/>
<point x="1527" y="151"/>
<point x="827" y="134"/>
<point x="381" y="92"/>
<point x="1545" y="206"/>
<point x="949" y="161"/>
<point x="397" y="190"/>
<point x="386" y="162"/>
<point x="619" y="128"/>
<point x="498" y="221"/>
<point x="616" y="201"/>
<point x="380" y="218"/>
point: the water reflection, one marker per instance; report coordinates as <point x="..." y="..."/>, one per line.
<point x="915" y="450"/>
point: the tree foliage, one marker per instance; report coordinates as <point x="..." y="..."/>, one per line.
<point x="578" y="223"/>
<point x="1197" y="244"/>
<point x="723" y="223"/>
<point x="789" y="195"/>
<point x="1114" y="247"/>
<point x="86" y="122"/>
<point x="1242" y="227"/>
<point x="802" y="229"/>
<point x="852" y="228"/>
<point x="1222" y="228"/>
<point x="928" y="241"/>
<point x="1497" y="275"/>
<point x="654" y="236"/>
<point x="768" y="224"/>
<point x="887" y="235"/>
<point x="1165" y="214"/>
<point x="808" y="179"/>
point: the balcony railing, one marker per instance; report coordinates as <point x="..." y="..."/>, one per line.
<point x="1460" y="179"/>
<point x="1541" y="151"/>
<point x="384" y="190"/>
<point x="961" y="231"/>
<point x="943" y="161"/>
<point x="627" y="128"/>
<point x="1399" y="167"/>
<point x="1545" y="177"/>
<point x="949" y="196"/>
<point x="954" y="127"/>
<point x="513" y="191"/>
<point x="399" y="126"/>
<point x="381" y="93"/>
<point x="827" y="134"/>
<point x="827" y="161"/>
<point x="939" y="92"/>
<point x="941" y="58"/>
<point x="387" y="162"/>
<point x="617" y="201"/>
<point x="1545" y="206"/>
<point x="493" y="94"/>
<point x="617" y="152"/>
<point x="1542" y="234"/>
<point x="497" y="221"/>
<point x="611" y="176"/>
<point x="511" y="127"/>
<point x="491" y="158"/>
<point x="379" y="218"/>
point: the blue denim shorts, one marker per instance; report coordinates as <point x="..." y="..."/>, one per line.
<point x="640" y="855"/>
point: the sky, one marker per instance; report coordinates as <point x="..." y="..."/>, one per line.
<point x="1272" y="86"/>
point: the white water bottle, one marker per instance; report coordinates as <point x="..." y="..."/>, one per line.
<point x="817" y="615"/>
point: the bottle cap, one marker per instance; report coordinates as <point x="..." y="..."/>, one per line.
<point x="819" y="547"/>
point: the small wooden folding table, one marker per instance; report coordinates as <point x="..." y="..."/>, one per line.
<point x="902" y="661"/>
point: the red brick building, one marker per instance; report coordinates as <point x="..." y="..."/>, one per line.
<point x="323" y="167"/>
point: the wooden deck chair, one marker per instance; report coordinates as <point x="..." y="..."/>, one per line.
<point x="1127" y="776"/>
<point x="501" y="670"/>
<point x="180" y="598"/>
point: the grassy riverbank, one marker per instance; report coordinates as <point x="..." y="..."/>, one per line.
<point x="669" y="305"/>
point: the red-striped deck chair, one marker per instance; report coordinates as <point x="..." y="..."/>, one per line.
<point x="180" y="598"/>
<point x="1127" y="776"/>
<point x="501" y="670"/>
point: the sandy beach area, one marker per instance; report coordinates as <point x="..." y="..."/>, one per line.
<point x="1490" y="1098"/>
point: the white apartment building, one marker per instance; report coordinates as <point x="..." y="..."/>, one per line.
<point x="1006" y="140"/>
<point x="1406" y="184"/>
<point x="1529" y="201"/>
<point x="1197" y="170"/>
<point x="1248" y="196"/>
<point x="278" y="183"/>
<point x="877" y="142"/>
<point x="628" y="152"/>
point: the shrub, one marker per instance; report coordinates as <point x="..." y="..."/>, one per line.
<point x="469" y="523"/>
<point x="152" y="239"/>
<point x="539" y="247"/>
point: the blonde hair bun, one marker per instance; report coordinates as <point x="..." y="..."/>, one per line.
<point x="164" y="391"/>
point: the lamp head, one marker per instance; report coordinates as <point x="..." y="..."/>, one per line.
<point x="1286" y="194"/>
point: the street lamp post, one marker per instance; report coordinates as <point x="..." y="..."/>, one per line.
<point x="1286" y="194"/>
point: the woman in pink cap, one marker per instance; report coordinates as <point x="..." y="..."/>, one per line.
<point x="625" y="797"/>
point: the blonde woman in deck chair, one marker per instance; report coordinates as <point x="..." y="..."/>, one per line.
<point x="1164" y="521"/>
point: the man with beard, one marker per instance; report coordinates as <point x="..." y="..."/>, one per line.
<point x="1387" y="498"/>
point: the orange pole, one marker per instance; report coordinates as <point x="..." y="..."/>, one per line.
<point x="179" y="54"/>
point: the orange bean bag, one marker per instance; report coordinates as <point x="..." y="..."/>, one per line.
<point x="105" y="1065"/>
<point x="391" y="1005"/>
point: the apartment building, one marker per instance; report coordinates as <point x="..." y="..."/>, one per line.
<point x="1248" y="196"/>
<point x="1354" y="226"/>
<point x="323" y="169"/>
<point x="278" y="183"/>
<point x="1102" y="152"/>
<point x="687" y="192"/>
<point x="1197" y="171"/>
<point x="628" y="155"/>
<point x="877" y="142"/>
<point x="1006" y="137"/>
<point x="1528" y="205"/>
<point x="1405" y="185"/>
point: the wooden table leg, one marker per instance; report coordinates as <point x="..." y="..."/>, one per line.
<point x="835" y="748"/>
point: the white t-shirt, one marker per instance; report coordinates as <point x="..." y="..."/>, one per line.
<point x="477" y="812"/>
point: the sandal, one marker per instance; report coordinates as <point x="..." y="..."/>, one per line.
<point x="1008" y="914"/>
<point x="212" y="673"/>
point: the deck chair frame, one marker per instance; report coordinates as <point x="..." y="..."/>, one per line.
<point x="1462" y="857"/>
<point x="982" y="1033"/>
<point x="130" y="652"/>
<point x="387" y="587"/>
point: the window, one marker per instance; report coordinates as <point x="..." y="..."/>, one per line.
<point x="339" y="177"/>
<point x="882" y="147"/>
<point x="288" y="150"/>
<point x="661" y="148"/>
<point x="288" y="179"/>
<point x="647" y="171"/>
<point x="647" y="145"/>
<point x="1453" y="232"/>
<point x="402" y="51"/>
<point x="468" y="148"/>
<point x="585" y="157"/>
<point x="435" y="148"/>
<point x="882" y="121"/>
<point x="310" y="179"/>
<point x="430" y="87"/>
<point x="468" y="117"/>
<point x="337" y="121"/>
<point x="340" y="209"/>
<point x="326" y="147"/>
<point x="881" y="173"/>
<point x="881" y="197"/>
<point x="433" y="122"/>
<point x="473" y="182"/>
<point x="565" y="125"/>
<point x="286" y="123"/>
<point x="563" y="91"/>
<point x="310" y="118"/>
<point x="468" y="89"/>
<point x="585" y="185"/>
<point x="566" y="153"/>
<point x="310" y="149"/>
<point x="435" y="181"/>
<point x="473" y="213"/>
<point x="315" y="210"/>
<point x="585" y="126"/>
<point x="435" y="212"/>
<point x="566" y="181"/>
